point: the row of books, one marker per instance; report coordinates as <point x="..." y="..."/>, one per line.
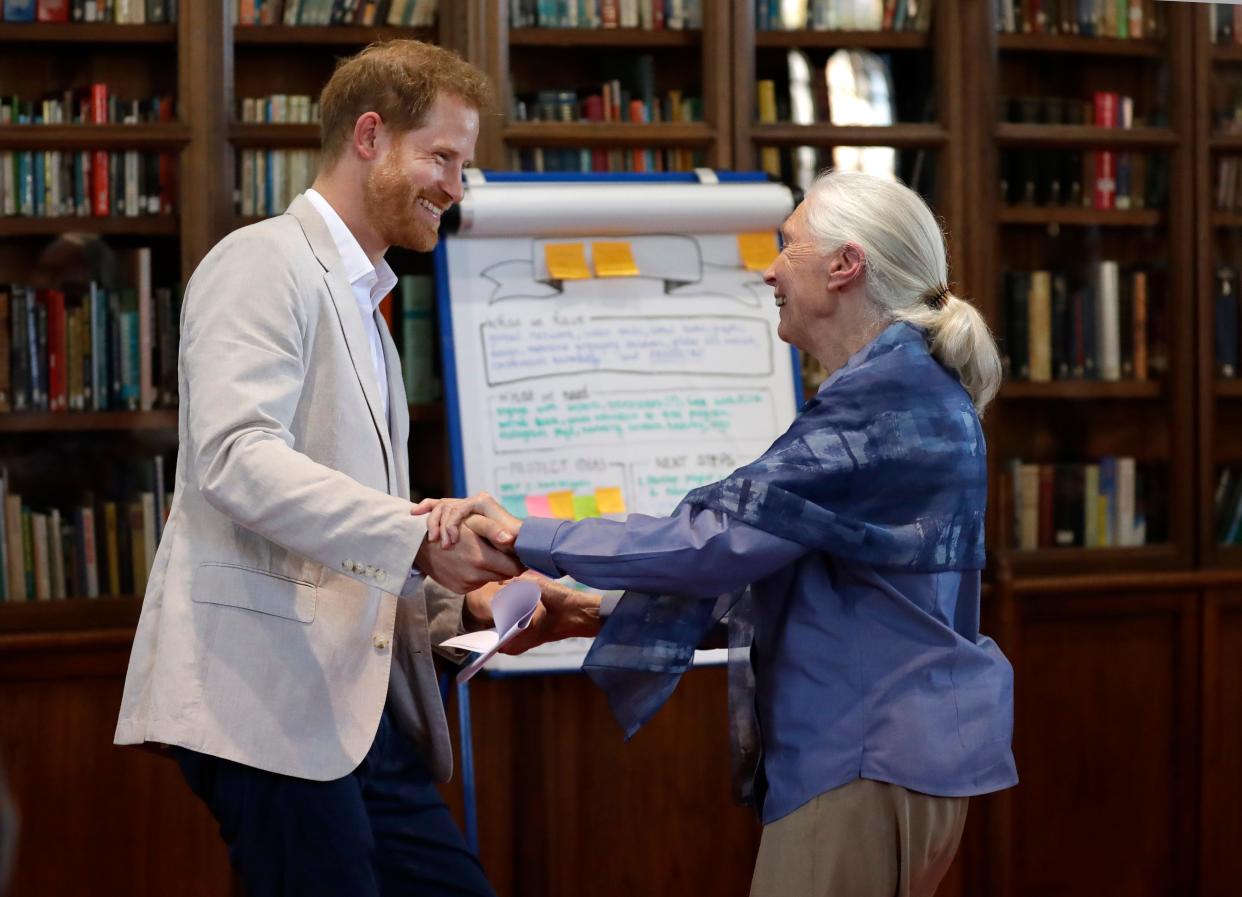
<point x="414" y="13"/>
<point x="1115" y="502"/>
<point x="1095" y="179"/>
<point x="610" y="104"/>
<point x="411" y="320"/>
<point x="98" y="547"/>
<point x="1099" y="328"/>
<point x="1228" y="506"/>
<point x="598" y="158"/>
<point x="1228" y="320"/>
<point x="89" y="350"/>
<point x="1124" y="19"/>
<point x="843" y="15"/>
<point x="1102" y="109"/>
<point x="92" y="105"/>
<point x="268" y="179"/>
<point x="119" y="12"/>
<point x="1225" y="23"/>
<point x="651" y="15"/>
<point x="88" y="183"/>
<point x="280" y="108"/>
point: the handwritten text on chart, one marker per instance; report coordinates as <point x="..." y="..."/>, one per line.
<point x="516" y="349"/>
<point x="555" y="419"/>
<point x="660" y="483"/>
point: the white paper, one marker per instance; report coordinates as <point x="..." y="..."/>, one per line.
<point x="512" y="609"/>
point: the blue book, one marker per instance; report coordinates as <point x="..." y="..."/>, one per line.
<point x="40" y="185"/>
<point x="1108" y="493"/>
<point x="19" y="10"/>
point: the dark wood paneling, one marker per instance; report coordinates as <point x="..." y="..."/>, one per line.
<point x="1221" y="785"/>
<point x="95" y="818"/>
<point x="1105" y="699"/>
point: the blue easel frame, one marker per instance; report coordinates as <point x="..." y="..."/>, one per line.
<point x="452" y="406"/>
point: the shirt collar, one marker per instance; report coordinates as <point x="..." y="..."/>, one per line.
<point x="356" y="265"/>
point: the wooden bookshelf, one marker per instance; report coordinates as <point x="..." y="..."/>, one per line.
<point x="85" y="33"/>
<point x="1082" y="136"/>
<point x="1229" y="389"/>
<point x="274" y="135"/>
<point x="152" y="137"/>
<point x="325" y="35"/>
<point x="114" y="226"/>
<point x="634" y="38"/>
<point x="70" y="615"/>
<point x="912" y="136"/>
<point x="834" y="40"/>
<point x="611" y="133"/>
<point x="1082" y="390"/>
<point x="87" y="421"/>
<point x="1080" y="561"/>
<point x="1087" y="46"/>
<point x="1073" y="216"/>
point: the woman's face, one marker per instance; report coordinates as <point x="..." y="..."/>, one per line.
<point x="799" y="279"/>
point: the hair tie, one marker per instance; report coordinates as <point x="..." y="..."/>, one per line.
<point x="937" y="297"/>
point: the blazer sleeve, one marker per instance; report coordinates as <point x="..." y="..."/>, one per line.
<point x="243" y="355"/>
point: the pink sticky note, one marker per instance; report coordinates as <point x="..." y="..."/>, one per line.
<point x="537" y="506"/>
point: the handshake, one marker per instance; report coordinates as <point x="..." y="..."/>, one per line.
<point x="470" y="548"/>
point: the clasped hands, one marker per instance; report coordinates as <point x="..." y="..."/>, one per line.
<point x="470" y="548"/>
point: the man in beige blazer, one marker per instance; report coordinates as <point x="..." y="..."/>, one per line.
<point x="285" y="645"/>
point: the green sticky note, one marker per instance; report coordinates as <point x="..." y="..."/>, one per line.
<point x="585" y="506"/>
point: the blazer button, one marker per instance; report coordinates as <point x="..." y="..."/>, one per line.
<point x="380" y="642"/>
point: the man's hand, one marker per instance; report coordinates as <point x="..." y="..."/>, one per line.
<point x="447" y="517"/>
<point x="562" y="613"/>
<point x="467" y="564"/>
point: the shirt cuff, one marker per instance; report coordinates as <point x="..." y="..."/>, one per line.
<point x="608" y="603"/>
<point x="534" y="544"/>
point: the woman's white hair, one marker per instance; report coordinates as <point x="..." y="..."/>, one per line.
<point x="906" y="269"/>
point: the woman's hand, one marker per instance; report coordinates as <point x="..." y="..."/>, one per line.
<point x="481" y="513"/>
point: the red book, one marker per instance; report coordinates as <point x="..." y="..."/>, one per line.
<point x="593" y="107"/>
<point x="52" y="11"/>
<point x="168" y="183"/>
<point x="100" y="205"/>
<point x="99" y="104"/>
<point x="609" y="13"/>
<point x="1105" y="180"/>
<point x="1105" y="108"/>
<point x="57" y="382"/>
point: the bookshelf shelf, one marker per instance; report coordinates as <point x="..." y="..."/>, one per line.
<point x="70" y="614"/>
<point x="863" y="40"/>
<point x="614" y="133"/>
<point x="270" y="135"/>
<point x="84" y="421"/>
<point x="84" y="33"/>
<point x="1083" y="390"/>
<point x="1060" y="561"/>
<point x="1097" y="46"/>
<point x="900" y="136"/>
<point x="1227" y="52"/>
<point x="146" y="136"/>
<point x="138" y="226"/>
<point x="1229" y="389"/>
<point x="1226" y="142"/>
<point x="1012" y="134"/>
<point x="1078" y="217"/>
<point x="1226" y="219"/>
<point x="332" y="35"/>
<point x="632" y="38"/>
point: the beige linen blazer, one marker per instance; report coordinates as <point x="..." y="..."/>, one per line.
<point x="279" y="613"/>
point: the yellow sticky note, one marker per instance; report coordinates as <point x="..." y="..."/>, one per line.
<point x="758" y="250"/>
<point x="584" y="506"/>
<point x="610" y="500"/>
<point x="566" y="261"/>
<point x="561" y="504"/>
<point x="614" y="258"/>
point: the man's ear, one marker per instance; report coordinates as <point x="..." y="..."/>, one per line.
<point x="368" y="135"/>
<point x="846" y="266"/>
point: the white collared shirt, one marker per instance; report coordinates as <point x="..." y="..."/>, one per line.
<point x="369" y="284"/>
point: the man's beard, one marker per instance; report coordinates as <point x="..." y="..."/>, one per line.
<point x="390" y="202"/>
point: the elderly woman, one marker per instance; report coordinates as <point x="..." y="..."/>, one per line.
<point x="853" y="545"/>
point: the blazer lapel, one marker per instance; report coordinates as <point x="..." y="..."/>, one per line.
<point x="347" y="316"/>
<point x="398" y="409"/>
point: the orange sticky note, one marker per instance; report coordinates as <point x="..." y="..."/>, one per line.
<point x="758" y="250"/>
<point x="610" y="500"/>
<point x="614" y="258"/>
<point x="561" y="504"/>
<point x="566" y="261"/>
